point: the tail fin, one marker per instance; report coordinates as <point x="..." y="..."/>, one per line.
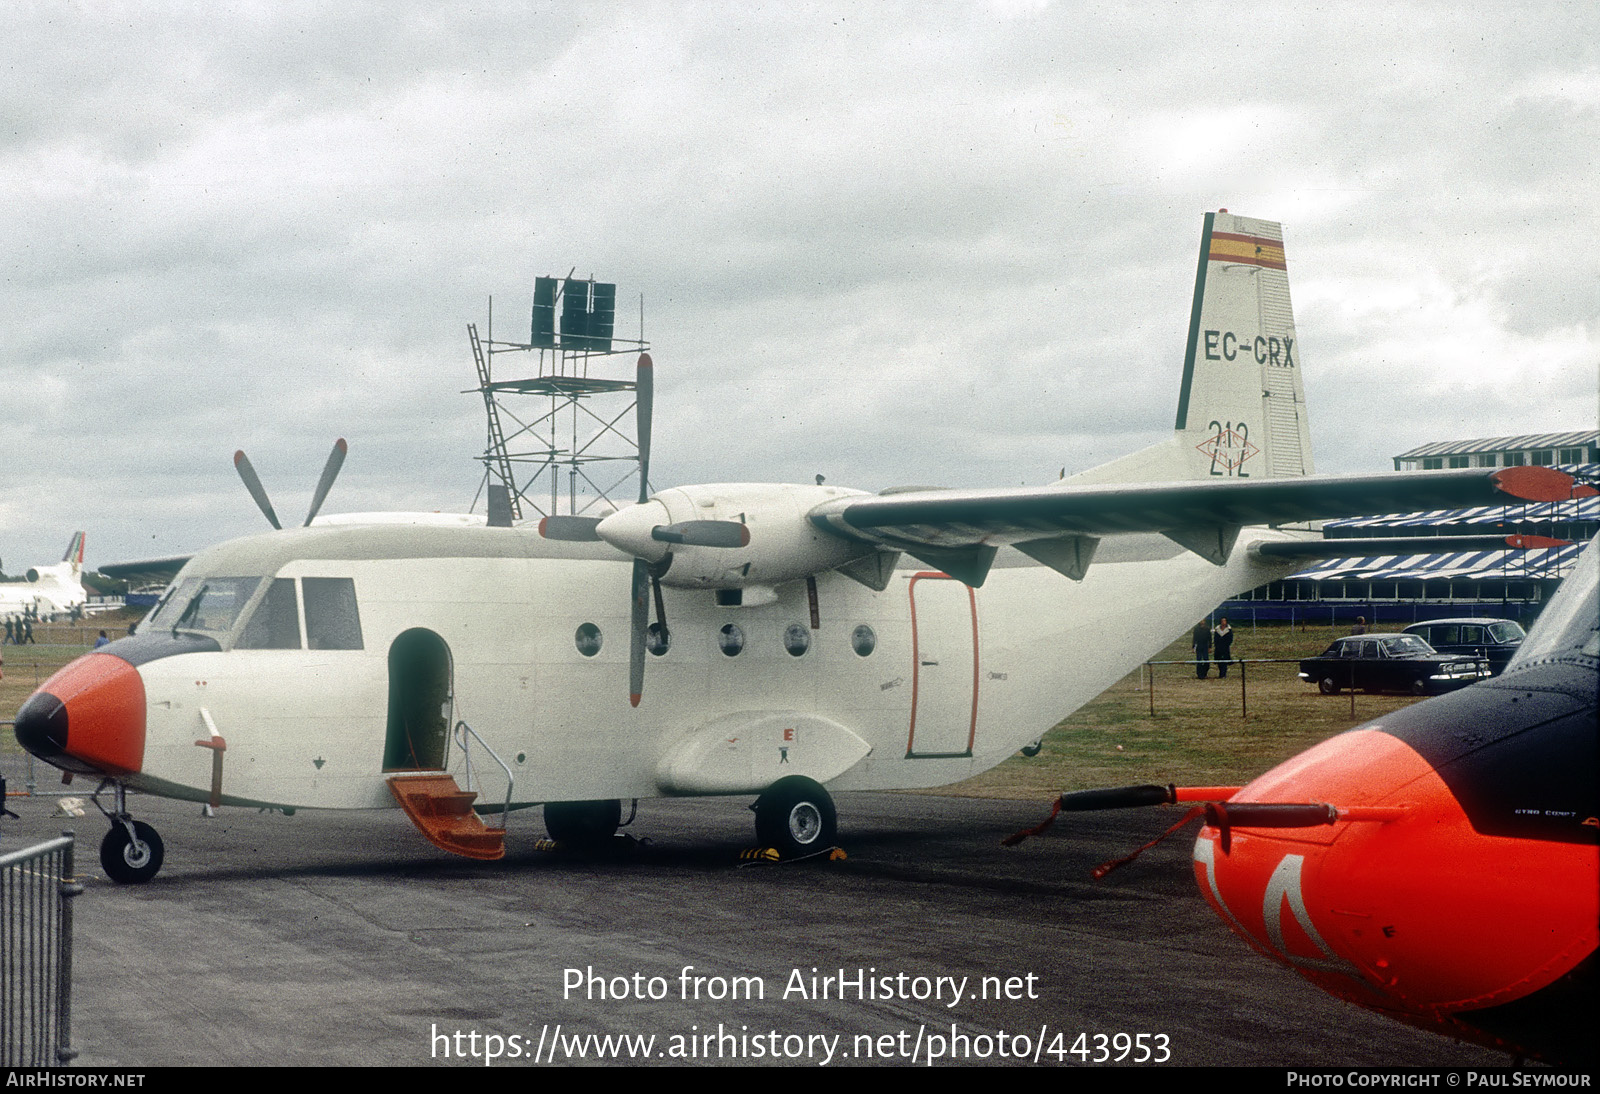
<point x="1242" y="406"/>
<point x="74" y="553"/>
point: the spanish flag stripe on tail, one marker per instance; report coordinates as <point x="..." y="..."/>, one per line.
<point x="1249" y="250"/>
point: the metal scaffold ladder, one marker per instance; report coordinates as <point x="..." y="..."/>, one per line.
<point x="497" y="438"/>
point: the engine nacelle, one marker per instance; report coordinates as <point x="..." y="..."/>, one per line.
<point x="783" y="544"/>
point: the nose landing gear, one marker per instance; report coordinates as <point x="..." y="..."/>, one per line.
<point x="131" y="853"/>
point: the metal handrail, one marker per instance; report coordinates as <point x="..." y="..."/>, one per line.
<point x="462" y="729"/>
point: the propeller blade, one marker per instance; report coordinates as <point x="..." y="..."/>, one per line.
<point x="252" y="483"/>
<point x="661" y="605"/>
<point x="570" y="528"/>
<point x="330" y="471"/>
<point x="703" y="533"/>
<point x="645" y="390"/>
<point x="641" y="622"/>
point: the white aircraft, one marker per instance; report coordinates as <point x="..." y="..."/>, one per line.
<point x="821" y="639"/>
<point x="49" y="590"/>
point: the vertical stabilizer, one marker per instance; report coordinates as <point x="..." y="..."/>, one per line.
<point x="1242" y="405"/>
<point x="74" y="555"/>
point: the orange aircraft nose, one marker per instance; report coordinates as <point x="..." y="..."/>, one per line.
<point x="1423" y="916"/>
<point x="89" y="717"/>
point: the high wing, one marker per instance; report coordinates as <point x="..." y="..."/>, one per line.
<point x="151" y="569"/>
<point x="1060" y="525"/>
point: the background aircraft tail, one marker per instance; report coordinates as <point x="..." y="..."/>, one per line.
<point x="74" y="554"/>
<point x="1242" y="405"/>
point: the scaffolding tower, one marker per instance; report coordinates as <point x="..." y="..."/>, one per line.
<point x="568" y="402"/>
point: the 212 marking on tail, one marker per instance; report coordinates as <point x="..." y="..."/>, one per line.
<point x="1229" y="448"/>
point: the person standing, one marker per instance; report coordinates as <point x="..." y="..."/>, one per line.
<point x="1222" y="643"/>
<point x="1200" y="639"/>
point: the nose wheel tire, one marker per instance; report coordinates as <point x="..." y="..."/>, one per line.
<point x="131" y="860"/>
<point x="796" y="816"/>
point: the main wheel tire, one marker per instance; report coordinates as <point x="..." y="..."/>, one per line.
<point x="1327" y="686"/>
<point x="131" y="860"/>
<point x="796" y="816"/>
<point x="582" y="823"/>
<point x="1419" y="686"/>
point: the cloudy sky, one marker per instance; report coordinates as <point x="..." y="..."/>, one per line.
<point x="890" y="243"/>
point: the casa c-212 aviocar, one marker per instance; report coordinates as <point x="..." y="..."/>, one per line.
<point x="821" y="639"/>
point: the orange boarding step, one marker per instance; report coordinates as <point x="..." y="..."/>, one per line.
<point x="442" y="812"/>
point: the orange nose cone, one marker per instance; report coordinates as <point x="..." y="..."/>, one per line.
<point x="88" y="717"/>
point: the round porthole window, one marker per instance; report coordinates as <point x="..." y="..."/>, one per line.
<point x="796" y="639"/>
<point x="658" y="639"/>
<point x="863" y="640"/>
<point x="730" y="640"/>
<point x="588" y="639"/>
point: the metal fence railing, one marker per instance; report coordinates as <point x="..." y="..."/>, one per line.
<point x="37" y="885"/>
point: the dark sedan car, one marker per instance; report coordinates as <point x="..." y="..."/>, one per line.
<point x="1494" y="640"/>
<point x="1389" y="662"/>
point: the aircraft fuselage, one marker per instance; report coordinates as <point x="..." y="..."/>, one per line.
<point x="526" y="640"/>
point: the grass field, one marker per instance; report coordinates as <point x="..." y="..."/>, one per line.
<point x="1196" y="734"/>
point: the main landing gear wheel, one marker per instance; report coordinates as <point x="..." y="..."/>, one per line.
<point x="796" y="816"/>
<point x="131" y="859"/>
<point x="1419" y="686"/>
<point x="582" y="823"/>
<point x="1327" y="686"/>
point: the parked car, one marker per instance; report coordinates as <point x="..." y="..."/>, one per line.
<point x="1495" y="640"/>
<point x="1390" y="662"/>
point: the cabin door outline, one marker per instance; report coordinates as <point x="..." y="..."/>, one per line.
<point x="421" y="702"/>
<point x="944" y="668"/>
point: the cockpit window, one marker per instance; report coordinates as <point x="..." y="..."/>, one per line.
<point x="275" y="625"/>
<point x="332" y="620"/>
<point x="205" y="605"/>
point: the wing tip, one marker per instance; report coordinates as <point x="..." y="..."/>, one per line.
<point x="1533" y="483"/>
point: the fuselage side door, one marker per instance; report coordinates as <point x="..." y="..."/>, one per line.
<point x="944" y="652"/>
<point x="420" y="702"/>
